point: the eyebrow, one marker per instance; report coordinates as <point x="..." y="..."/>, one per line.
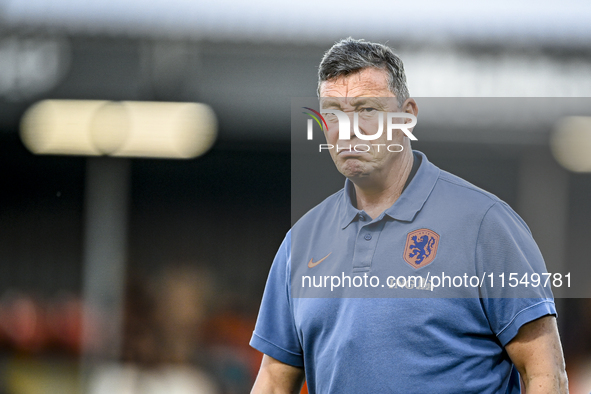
<point x="330" y="103"/>
<point x="374" y="101"/>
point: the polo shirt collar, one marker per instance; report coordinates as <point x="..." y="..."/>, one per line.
<point x="348" y="202"/>
<point x="409" y="203"/>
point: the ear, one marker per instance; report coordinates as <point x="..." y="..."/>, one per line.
<point x="410" y="106"/>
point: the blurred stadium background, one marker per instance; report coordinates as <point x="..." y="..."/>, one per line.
<point x="188" y="244"/>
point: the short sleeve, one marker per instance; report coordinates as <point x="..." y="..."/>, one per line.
<point x="275" y="332"/>
<point x="506" y="249"/>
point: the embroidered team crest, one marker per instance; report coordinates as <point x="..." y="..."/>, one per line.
<point x="421" y="247"/>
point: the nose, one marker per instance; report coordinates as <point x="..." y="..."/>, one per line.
<point x="351" y="116"/>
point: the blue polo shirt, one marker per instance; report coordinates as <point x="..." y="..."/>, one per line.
<point x="372" y="333"/>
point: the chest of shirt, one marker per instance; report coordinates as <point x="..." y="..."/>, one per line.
<point x="435" y="243"/>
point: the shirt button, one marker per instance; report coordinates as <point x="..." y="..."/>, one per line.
<point x="362" y="218"/>
<point x="367" y="237"/>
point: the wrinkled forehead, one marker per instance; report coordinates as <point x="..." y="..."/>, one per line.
<point x="368" y="82"/>
<point x="343" y="103"/>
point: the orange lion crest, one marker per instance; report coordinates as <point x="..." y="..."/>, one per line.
<point x="421" y="247"/>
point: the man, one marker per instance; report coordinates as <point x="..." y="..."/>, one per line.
<point x="399" y="214"/>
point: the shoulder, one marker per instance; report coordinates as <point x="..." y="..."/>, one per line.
<point x="465" y="192"/>
<point x="461" y="197"/>
<point x="462" y="205"/>
<point x="470" y="196"/>
<point x="443" y="193"/>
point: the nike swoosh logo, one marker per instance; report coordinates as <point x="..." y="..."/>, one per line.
<point x="312" y="264"/>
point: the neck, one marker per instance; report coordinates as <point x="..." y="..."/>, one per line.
<point x="376" y="194"/>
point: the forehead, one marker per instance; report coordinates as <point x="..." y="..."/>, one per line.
<point x="369" y="82"/>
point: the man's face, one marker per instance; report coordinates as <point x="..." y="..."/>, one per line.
<point x="365" y="93"/>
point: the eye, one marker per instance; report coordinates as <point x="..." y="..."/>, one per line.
<point x="329" y="117"/>
<point x="368" y="112"/>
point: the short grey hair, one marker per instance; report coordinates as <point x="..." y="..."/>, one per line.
<point x="349" y="56"/>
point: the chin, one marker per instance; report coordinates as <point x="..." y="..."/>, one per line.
<point x="353" y="169"/>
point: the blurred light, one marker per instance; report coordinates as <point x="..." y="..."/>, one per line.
<point x="571" y="143"/>
<point x="60" y="127"/>
<point x="180" y="130"/>
<point x="126" y="129"/>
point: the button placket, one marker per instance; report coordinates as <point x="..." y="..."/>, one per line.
<point x="365" y="245"/>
